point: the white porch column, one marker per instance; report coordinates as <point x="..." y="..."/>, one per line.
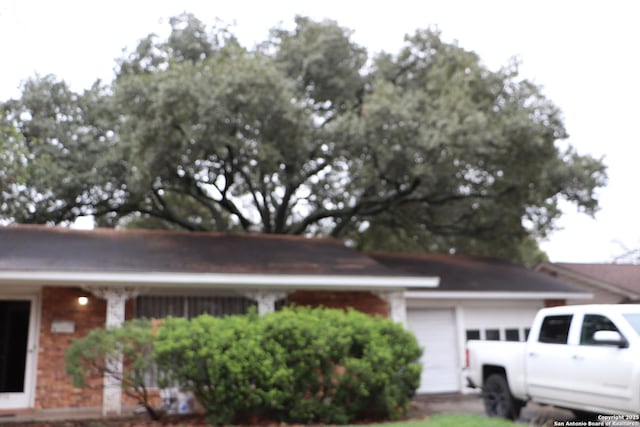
<point x="397" y="305"/>
<point x="112" y="389"/>
<point x="266" y="300"/>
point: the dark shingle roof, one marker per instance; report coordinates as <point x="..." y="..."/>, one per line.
<point x="462" y="273"/>
<point x="40" y="248"/>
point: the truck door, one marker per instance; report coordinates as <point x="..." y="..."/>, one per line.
<point x="602" y="372"/>
<point x="548" y="360"/>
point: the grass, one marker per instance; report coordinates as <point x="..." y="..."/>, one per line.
<point x="452" y="421"/>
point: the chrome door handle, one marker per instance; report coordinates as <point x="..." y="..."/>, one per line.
<point x="577" y="357"/>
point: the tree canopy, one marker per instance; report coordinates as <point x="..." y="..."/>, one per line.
<point x="306" y="133"/>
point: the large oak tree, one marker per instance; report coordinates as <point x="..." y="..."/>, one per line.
<point x="423" y="149"/>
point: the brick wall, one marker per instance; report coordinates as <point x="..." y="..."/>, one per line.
<point x="53" y="385"/>
<point x="554" y="302"/>
<point x="365" y="302"/>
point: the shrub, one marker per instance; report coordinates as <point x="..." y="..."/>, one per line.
<point x="87" y="358"/>
<point x="345" y="366"/>
<point x="297" y="365"/>
<point x="224" y="362"/>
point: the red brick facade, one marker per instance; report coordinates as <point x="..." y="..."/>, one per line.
<point x="554" y="302"/>
<point x="53" y="385"/>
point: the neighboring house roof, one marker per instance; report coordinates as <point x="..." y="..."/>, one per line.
<point x="623" y="279"/>
<point x="36" y="253"/>
<point x="462" y="274"/>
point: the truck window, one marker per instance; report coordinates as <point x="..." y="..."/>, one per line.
<point x="593" y="323"/>
<point x="634" y="321"/>
<point x="555" y="329"/>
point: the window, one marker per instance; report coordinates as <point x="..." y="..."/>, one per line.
<point x="634" y="321"/>
<point x="473" y="334"/>
<point x="159" y="307"/>
<point x="593" y="323"/>
<point x="526" y="333"/>
<point x="492" y="334"/>
<point x="512" y="334"/>
<point x="555" y="329"/>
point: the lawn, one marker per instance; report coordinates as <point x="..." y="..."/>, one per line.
<point x="461" y="420"/>
<point x="452" y="421"/>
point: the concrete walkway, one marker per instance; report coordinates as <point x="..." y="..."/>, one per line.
<point x="52" y="415"/>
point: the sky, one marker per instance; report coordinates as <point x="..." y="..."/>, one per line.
<point x="583" y="54"/>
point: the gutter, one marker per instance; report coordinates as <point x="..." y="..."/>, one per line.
<point x="158" y="280"/>
<point x="465" y="295"/>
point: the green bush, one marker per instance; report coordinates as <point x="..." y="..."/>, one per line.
<point x="86" y="359"/>
<point x="224" y="362"/>
<point x="346" y="366"/>
<point x="297" y="365"/>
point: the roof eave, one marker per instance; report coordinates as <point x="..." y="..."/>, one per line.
<point x="486" y="295"/>
<point x="158" y="280"/>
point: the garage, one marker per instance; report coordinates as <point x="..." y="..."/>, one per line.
<point x="478" y="298"/>
<point x="436" y="333"/>
<point x="509" y="322"/>
<point x="443" y="327"/>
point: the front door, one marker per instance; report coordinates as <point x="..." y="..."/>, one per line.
<point x="15" y="331"/>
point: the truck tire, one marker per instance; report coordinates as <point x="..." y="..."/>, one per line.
<point x="498" y="400"/>
<point x="584" y="415"/>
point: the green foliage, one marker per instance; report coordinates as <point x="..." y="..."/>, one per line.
<point x="346" y="366"/>
<point x="87" y="359"/>
<point x="224" y="361"/>
<point x="304" y="134"/>
<point x="413" y="238"/>
<point x="296" y="365"/>
<point x="452" y="420"/>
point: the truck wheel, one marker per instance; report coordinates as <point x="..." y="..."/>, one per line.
<point x="498" y="401"/>
<point x="584" y="415"/>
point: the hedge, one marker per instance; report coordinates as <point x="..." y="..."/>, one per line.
<point x="297" y="365"/>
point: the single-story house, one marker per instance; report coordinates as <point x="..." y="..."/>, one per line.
<point x="609" y="283"/>
<point x="56" y="284"/>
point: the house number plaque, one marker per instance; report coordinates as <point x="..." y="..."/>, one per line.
<point x="63" y="327"/>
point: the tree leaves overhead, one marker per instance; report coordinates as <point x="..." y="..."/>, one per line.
<point x="57" y="151"/>
<point x="323" y="62"/>
<point x="304" y="134"/>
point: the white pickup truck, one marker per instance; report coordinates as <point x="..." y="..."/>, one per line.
<point x="582" y="357"/>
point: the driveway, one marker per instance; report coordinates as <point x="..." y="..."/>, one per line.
<point x="428" y="404"/>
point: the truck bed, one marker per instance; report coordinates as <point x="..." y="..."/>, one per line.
<point x="496" y="355"/>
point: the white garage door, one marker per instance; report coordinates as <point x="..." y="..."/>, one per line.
<point x="436" y="333"/>
<point x="504" y="323"/>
